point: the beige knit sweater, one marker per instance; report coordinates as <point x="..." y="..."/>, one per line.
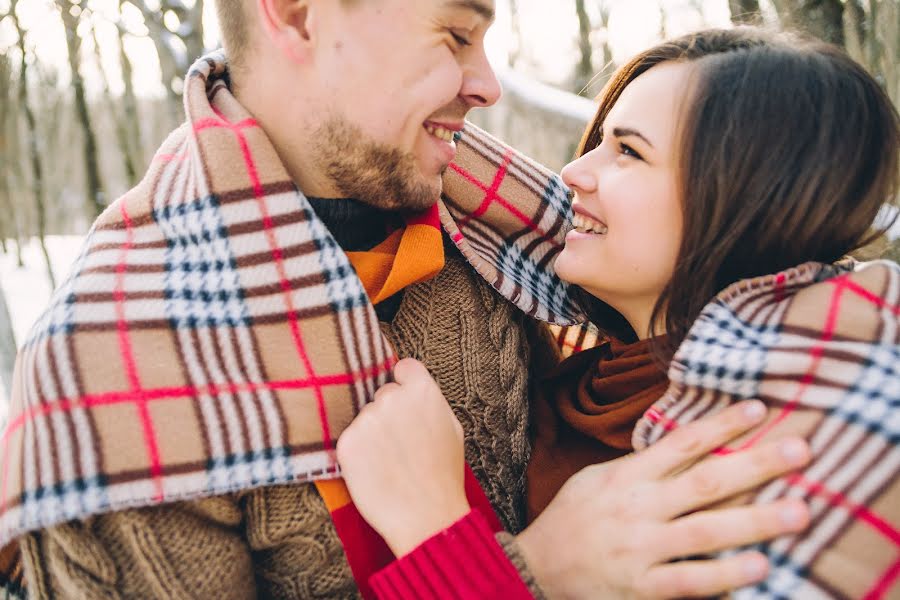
<point x="279" y="542"/>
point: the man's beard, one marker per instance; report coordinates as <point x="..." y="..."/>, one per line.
<point x="371" y="172"/>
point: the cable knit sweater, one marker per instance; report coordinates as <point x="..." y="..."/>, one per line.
<point x="279" y="542"/>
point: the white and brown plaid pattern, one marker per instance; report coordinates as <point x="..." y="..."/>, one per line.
<point x="213" y="336"/>
<point x="821" y="346"/>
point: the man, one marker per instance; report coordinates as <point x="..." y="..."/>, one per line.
<point x="190" y="380"/>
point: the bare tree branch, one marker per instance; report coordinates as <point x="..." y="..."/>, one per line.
<point x="121" y="128"/>
<point x="745" y="12"/>
<point x="70" y="13"/>
<point x="36" y="165"/>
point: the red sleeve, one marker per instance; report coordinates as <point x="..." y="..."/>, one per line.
<point x="464" y="562"/>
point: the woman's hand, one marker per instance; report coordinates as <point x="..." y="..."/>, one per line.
<point x="614" y="529"/>
<point x="402" y="460"/>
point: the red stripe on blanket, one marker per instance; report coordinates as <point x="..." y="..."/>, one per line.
<point x="858" y="511"/>
<point x="277" y="257"/>
<point x="834" y="309"/>
<point x="884" y="583"/>
<point x="150" y="443"/>
<point x="530" y="223"/>
<point x="491" y="194"/>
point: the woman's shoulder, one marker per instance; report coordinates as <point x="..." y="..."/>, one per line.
<point x="815" y="337"/>
<point x="843" y="301"/>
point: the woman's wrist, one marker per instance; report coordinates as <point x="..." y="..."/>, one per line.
<point x="416" y="528"/>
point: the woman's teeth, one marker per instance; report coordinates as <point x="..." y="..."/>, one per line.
<point x="440" y="132"/>
<point x="588" y="225"/>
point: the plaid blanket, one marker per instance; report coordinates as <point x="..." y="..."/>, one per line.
<point x="213" y="337"/>
<point x="821" y="346"/>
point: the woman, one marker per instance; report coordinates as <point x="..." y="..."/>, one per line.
<point x="724" y="178"/>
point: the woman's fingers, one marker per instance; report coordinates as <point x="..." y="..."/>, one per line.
<point x="701" y="578"/>
<point x="719" y="478"/>
<point x="688" y="444"/>
<point x="727" y="528"/>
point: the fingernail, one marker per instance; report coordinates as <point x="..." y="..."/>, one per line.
<point x="793" y="450"/>
<point x="754" y="410"/>
<point x="791" y="516"/>
<point x="755" y="568"/>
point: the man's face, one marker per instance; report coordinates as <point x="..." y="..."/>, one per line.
<point x="398" y="78"/>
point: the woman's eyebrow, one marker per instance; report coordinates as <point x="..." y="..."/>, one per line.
<point x="627" y="131"/>
<point x="482" y="9"/>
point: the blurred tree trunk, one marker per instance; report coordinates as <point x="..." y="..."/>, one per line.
<point x="584" y="71"/>
<point x="7" y="345"/>
<point x="869" y="31"/>
<point x="823" y="19"/>
<point x="129" y="99"/>
<point x="36" y="167"/>
<point x="7" y="222"/>
<point x="95" y="201"/>
<point x="13" y="155"/>
<point x="176" y="49"/>
<point x="516" y="29"/>
<point x="118" y="119"/>
<point x="745" y="12"/>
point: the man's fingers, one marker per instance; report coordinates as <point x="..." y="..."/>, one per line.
<point x="718" y="478"/>
<point x="699" y="578"/>
<point x="691" y="442"/>
<point x="714" y="530"/>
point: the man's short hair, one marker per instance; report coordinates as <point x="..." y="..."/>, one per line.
<point x="233" y="26"/>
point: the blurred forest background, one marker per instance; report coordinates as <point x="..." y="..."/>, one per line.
<point x="89" y="89"/>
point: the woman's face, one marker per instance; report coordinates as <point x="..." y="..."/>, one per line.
<point x="628" y="216"/>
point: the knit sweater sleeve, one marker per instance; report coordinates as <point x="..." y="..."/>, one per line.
<point x="464" y="561"/>
<point x="272" y="542"/>
<point x="180" y="551"/>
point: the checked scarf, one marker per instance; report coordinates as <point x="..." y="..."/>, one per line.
<point x="820" y="345"/>
<point x="213" y="337"/>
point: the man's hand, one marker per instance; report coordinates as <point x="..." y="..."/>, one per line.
<point x="613" y="529"/>
<point x="403" y="460"/>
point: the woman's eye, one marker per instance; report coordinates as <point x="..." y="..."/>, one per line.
<point x="460" y="39"/>
<point x="629" y="151"/>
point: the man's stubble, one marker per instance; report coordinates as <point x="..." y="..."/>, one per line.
<point x="371" y="172"/>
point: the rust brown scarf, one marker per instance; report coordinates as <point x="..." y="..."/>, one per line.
<point x="585" y="411"/>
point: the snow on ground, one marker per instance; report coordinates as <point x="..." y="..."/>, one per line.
<point x="27" y="289"/>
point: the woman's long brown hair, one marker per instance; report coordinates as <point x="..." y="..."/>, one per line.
<point x="788" y="151"/>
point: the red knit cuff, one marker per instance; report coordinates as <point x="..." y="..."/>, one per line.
<point x="464" y="561"/>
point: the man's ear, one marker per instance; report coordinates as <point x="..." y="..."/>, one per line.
<point x="290" y="25"/>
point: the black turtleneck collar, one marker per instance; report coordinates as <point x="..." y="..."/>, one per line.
<point x="356" y="226"/>
<point x="359" y="227"/>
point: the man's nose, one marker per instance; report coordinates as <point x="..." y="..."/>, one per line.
<point x="480" y="85"/>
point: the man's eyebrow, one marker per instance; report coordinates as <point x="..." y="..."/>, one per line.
<point x="485" y="11"/>
<point x="627" y="131"/>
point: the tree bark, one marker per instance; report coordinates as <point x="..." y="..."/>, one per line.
<point x="745" y="12"/>
<point x="36" y="166"/>
<point x="584" y="71"/>
<point x="7" y="223"/>
<point x="95" y="201"/>
<point x="118" y="120"/>
<point x="129" y="98"/>
<point x="191" y="35"/>
<point x="7" y="345"/>
<point x="516" y="28"/>
<point x="823" y="19"/>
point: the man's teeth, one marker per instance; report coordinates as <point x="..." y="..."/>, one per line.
<point x="588" y="225"/>
<point x="440" y="132"/>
